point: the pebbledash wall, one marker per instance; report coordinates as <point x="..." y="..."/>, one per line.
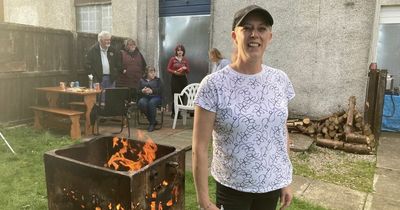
<point x="324" y="46"/>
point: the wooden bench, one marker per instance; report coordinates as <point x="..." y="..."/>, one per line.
<point x="77" y="103"/>
<point x="73" y="115"/>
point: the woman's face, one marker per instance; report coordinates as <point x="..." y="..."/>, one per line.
<point x="151" y="74"/>
<point x="212" y="57"/>
<point x="130" y="46"/>
<point x="252" y="38"/>
<point x="179" y="52"/>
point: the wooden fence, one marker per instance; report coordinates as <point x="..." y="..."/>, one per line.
<point x="33" y="57"/>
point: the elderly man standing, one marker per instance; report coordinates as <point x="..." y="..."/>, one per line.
<point x="103" y="61"/>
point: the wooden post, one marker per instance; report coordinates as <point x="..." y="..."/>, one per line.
<point x="370" y="101"/>
<point x="38" y="116"/>
<point x="380" y="95"/>
<point x="75" y="130"/>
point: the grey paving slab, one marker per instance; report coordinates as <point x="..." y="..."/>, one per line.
<point x="332" y="196"/>
<point x="387" y="183"/>
<point x="300" y="185"/>
<point x="381" y="202"/>
<point x="388" y="155"/>
<point x="368" y="202"/>
<point x="188" y="161"/>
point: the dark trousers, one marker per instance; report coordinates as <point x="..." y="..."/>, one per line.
<point x="232" y="199"/>
<point x="178" y="83"/>
<point x="106" y="83"/>
<point x="148" y="105"/>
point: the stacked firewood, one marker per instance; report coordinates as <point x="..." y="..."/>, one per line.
<point x="345" y="131"/>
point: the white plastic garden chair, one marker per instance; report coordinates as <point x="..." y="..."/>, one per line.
<point x="184" y="101"/>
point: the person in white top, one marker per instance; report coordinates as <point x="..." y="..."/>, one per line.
<point x="219" y="62"/>
<point x="244" y="108"/>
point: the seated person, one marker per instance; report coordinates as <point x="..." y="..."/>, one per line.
<point x="150" y="96"/>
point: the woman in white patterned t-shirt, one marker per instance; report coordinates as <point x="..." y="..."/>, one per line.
<point x="244" y="108"/>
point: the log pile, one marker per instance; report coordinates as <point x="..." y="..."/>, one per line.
<point x="345" y="130"/>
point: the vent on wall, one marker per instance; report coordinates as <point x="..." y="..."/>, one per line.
<point x="184" y="7"/>
<point x="390" y="14"/>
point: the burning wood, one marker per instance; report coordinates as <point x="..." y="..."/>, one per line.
<point x="343" y="130"/>
<point x="132" y="158"/>
<point x="163" y="196"/>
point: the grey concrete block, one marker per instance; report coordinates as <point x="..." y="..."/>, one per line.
<point x="333" y="196"/>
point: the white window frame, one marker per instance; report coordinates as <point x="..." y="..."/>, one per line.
<point x="94" y="18"/>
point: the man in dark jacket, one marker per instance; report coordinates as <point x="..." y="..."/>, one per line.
<point x="103" y="61"/>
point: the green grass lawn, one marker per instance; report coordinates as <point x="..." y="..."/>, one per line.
<point x="22" y="176"/>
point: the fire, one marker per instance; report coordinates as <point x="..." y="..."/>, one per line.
<point x="81" y="200"/>
<point x="162" y="191"/>
<point x="130" y="157"/>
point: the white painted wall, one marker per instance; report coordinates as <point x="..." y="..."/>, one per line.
<point x="59" y="14"/>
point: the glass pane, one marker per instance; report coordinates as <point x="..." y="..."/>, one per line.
<point x="388" y="51"/>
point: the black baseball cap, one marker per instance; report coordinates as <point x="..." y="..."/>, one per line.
<point x="241" y="14"/>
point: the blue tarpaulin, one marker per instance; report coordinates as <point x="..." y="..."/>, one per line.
<point x="391" y="113"/>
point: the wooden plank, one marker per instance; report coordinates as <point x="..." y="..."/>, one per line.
<point x="370" y="102"/>
<point x="55" y="110"/>
<point x="380" y="95"/>
<point x="77" y="103"/>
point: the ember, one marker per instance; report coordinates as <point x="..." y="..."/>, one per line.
<point x="163" y="196"/>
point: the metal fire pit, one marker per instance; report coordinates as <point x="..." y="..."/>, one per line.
<point x="77" y="178"/>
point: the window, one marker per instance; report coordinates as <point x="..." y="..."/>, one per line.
<point x="94" y="18"/>
<point x="388" y="48"/>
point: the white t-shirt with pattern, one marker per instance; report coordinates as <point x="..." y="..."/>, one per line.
<point x="249" y="136"/>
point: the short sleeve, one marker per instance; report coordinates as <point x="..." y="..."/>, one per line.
<point x="206" y="96"/>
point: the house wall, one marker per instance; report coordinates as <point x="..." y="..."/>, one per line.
<point x="138" y="19"/>
<point x="46" y="13"/>
<point x="125" y="18"/>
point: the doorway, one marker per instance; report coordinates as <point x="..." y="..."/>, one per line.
<point x="388" y="57"/>
<point x="188" y="23"/>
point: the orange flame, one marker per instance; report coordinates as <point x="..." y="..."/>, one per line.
<point x="146" y="155"/>
<point x="158" y="205"/>
<point x="119" y="207"/>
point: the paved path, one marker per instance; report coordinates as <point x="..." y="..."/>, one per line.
<point x="386" y="195"/>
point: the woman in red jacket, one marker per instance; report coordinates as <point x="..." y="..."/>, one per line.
<point x="178" y="67"/>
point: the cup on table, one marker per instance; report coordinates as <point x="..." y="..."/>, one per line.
<point x="62" y="85"/>
<point x="97" y="86"/>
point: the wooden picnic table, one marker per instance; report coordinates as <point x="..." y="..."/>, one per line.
<point x="89" y="99"/>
